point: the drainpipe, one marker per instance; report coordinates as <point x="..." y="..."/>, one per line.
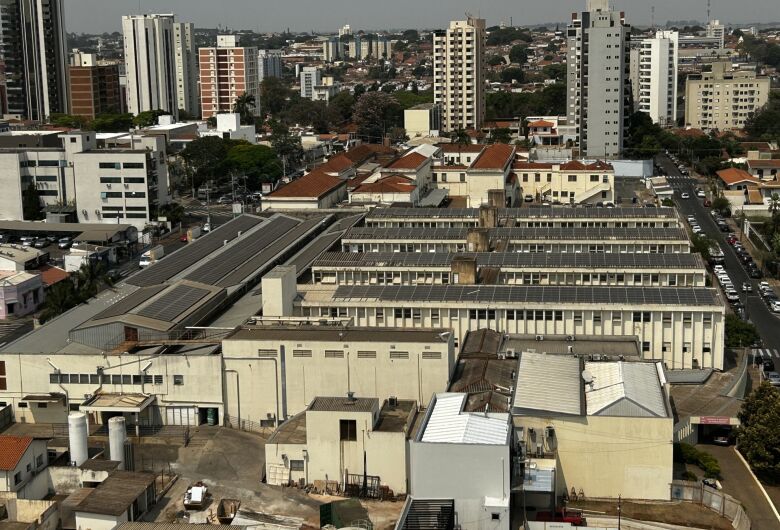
<point x="276" y="379"/>
<point x="238" y="394"/>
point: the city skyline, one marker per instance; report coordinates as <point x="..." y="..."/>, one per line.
<point x="95" y="16"/>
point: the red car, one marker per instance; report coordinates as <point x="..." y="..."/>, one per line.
<point x="183" y="238"/>
<point x="707" y="203"/>
<point x="731" y="240"/>
<point x="562" y="515"/>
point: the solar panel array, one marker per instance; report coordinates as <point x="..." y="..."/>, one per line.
<point x="541" y="212"/>
<point x="594" y="234"/>
<point x="532" y="294"/>
<point x="215" y="269"/>
<point x="542" y="260"/>
<point x="173" y="303"/>
<point x="187" y="256"/>
<point x="130" y="302"/>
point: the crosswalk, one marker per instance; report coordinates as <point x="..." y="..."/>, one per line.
<point x="766" y="352"/>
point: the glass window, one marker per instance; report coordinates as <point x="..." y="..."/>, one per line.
<point x="348" y="430"/>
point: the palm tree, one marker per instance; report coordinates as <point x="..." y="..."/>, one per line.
<point x="460" y="137"/>
<point x="245" y="105"/>
<point x="59" y="298"/>
<point x="89" y="278"/>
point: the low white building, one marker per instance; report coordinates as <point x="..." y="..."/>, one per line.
<point x="423" y="120"/>
<point x="573" y="182"/>
<point x="229" y="128"/>
<point x="340" y="439"/>
<point x="22" y="458"/>
<point x="123" y="497"/>
<point x="479" y="174"/>
<point x="463" y="461"/>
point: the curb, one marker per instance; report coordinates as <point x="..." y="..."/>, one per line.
<point x="758" y="482"/>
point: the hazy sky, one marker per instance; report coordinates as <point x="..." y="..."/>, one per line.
<point x="96" y="16"/>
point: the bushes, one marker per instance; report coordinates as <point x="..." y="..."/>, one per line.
<point x="689" y="476"/>
<point x="705" y="461"/>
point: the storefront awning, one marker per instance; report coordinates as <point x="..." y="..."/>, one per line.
<point x="117" y="403"/>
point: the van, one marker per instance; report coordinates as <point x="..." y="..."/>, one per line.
<point x="151" y="255"/>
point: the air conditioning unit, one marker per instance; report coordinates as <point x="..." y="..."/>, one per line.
<point x="540" y="337"/>
<point x="570" y="338"/>
<point x="127" y="186"/>
<point x="511" y="353"/>
<point x="108" y="186"/>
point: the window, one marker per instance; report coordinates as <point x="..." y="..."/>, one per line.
<point x="301" y="353"/>
<point x="134" y="180"/>
<point x="178" y="380"/>
<point x="133" y="165"/>
<point x="110" y="180"/>
<point x="18" y="478"/>
<point x="645" y="346"/>
<point x="108" y="165"/>
<point x="431" y="355"/>
<point x="399" y="355"/>
<point x="22" y="404"/>
<point x="54" y="379"/>
<point x="158" y="379"/>
<point x="135" y="194"/>
<point x="348" y="430"/>
<point x="572" y="178"/>
<point x="495" y="516"/>
<point x="334" y="354"/>
<point x="296" y="465"/>
<point x="366" y="354"/>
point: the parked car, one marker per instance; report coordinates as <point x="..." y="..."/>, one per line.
<point x="64" y="242"/>
<point x="731" y="295"/>
<point x="746" y="287"/>
<point x="225" y="200"/>
<point x="700" y="193"/>
<point x="41" y="242"/>
<point x="206" y="227"/>
<point x="685" y="195"/>
<point x="529" y="198"/>
<point x="707" y="203"/>
<point x="773" y="378"/>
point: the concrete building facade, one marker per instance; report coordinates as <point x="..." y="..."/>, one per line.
<point x="34" y="48"/>
<point x="227" y="71"/>
<point x="94" y="87"/>
<point x="598" y="63"/>
<point x="311" y="77"/>
<point x="187" y="92"/>
<point x="723" y="98"/>
<point x="657" y="89"/>
<point x="269" y="64"/>
<point x="459" y="74"/>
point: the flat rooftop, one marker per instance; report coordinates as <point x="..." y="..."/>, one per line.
<point x="530" y="294"/>
<point x="292" y="332"/>
<point x="533" y="212"/>
<point x="541" y="260"/>
<point x="117" y="493"/>
<point x="395" y="418"/>
<point x="576" y="234"/>
<point x="293" y="431"/>
<point x="614" y="346"/>
<point x="342" y="404"/>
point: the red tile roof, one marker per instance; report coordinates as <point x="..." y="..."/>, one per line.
<point x="733" y="175"/>
<point x="391" y="184"/>
<point x="576" y="165"/>
<point x="410" y="161"/>
<point x="51" y="275"/>
<point x="495" y="156"/>
<point x="541" y="123"/>
<point x="754" y="196"/>
<point x="450" y="166"/>
<point x="12" y="449"/>
<point x="312" y="185"/>
<point x="363" y="152"/>
<point x="762" y="164"/>
<point x="337" y="164"/>
<point x="531" y="165"/>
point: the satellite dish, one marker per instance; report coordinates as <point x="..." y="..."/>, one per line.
<point x="587" y="377"/>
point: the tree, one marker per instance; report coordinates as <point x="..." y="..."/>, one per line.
<point x="701" y="244"/>
<point x="375" y="114"/>
<point x="88" y="280"/>
<point x="205" y="157"/>
<point x="721" y="204"/>
<point x="460" y="137"/>
<point x="501" y="135"/>
<point x="287" y="146"/>
<point x="69" y="121"/>
<point x="509" y="75"/>
<point x="258" y="163"/>
<point x="518" y="54"/>
<point x="149" y="117"/>
<point x="112" y="123"/>
<point x="340" y="108"/>
<point x="173" y="211"/>
<point x="245" y="106"/>
<point x="274" y="95"/>
<point x="507" y="35"/>
<point x="59" y="298"/>
<point x="739" y="333"/>
<point x="555" y="71"/>
<point x="774" y="204"/>
<point x="758" y="436"/>
<point x="495" y="60"/>
<point x="31" y="203"/>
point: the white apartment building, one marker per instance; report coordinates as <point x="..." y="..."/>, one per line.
<point x="269" y="64"/>
<point x="311" y="77"/>
<point x="657" y="77"/>
<point x="480" y="174"/>
<point x="598" y="63"/>
<point x="459" y="74"/>
<point x="187" y="93"/>
<point x="157" y="63"/>
<point x="723" y="98"/>
<point x="105" y="185"/>
<point x="716" y="30"/>
<point x="227" y="71"/>
<point x="572" y="182"/>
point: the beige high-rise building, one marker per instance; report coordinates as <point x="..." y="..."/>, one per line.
<point x="723" y="98"/>
<point x="226" y="72"/>
<point x="459" y="74"/>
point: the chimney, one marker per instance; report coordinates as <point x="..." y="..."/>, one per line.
<point x="488" y="215"/>
<point x="463" y="270"/>
<point x="279" y="290"/>
<point x="478" y="240"/>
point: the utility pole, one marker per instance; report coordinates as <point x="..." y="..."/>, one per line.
<point x="619" y="507"/>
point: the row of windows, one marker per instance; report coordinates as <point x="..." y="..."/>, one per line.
<point x="118" y="180"/>
<point x="361" y="354"/>
<point x="118" y="194"/>
<point x="110" y="379"/>
<point x="117" y="165"/>
<point x="43" y="163"/>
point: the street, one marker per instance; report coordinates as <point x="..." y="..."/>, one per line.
<point x="767" y="324"/>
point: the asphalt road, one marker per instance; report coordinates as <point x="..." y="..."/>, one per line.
<point x="738" y="482"/>
<point x="757" y="312"/>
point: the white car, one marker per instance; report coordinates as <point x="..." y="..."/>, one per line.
<point x="775" y="307"/>
<point x="696" y="229"/>
<point x="685" y="195"/>
<point x="764" y="285"/>
<point x="701" y="194"/>
<point x="732" y="295"/>
<point x="691" y="218"/>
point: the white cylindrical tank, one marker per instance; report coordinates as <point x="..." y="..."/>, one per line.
<point x="77" y="434"/>
<point x="117" y="434"/>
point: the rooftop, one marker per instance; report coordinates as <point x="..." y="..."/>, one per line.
<point x="343" y="404"/>
<point x="323" y="334"/>
<point x="410" y="161"/>
<point x="313" y="185"/>
<point x="734" y="175"/>
<point x="446" y="422"/>
<point x="532" y="212"/>
<point x="292" y="431"/>
<point x="548" y="384"/>
<point x="117" y="493"/>
<point x="611" y="346"/>
<point x="534" y="234"/>
<point x="19" y="254"/>
<point x="495" y="156"/>
<point x="624" y="389"/>
<point x="12" y="449"/>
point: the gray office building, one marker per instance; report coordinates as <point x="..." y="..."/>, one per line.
<point x="598" y="84"/>
<point x="269" y="64"/>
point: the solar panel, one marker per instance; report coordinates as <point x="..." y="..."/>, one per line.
<point x="173" y="303"/>
<point x="540" y="212"/>
<point x="594" y="234"/>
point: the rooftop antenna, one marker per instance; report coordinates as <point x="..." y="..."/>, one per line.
<point x="652" y="17"/>
<point x="709" y="19"/>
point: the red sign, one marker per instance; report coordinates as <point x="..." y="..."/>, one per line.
<point x="715" y="420"/>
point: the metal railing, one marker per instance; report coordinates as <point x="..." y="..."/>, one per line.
<point x="262" y="427"/>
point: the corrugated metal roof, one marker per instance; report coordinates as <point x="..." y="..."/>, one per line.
<point x="548" y="383"/>
<point x="448" y="423"/>
<point x="624" y="389"/>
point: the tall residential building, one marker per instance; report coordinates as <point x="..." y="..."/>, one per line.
<point x="94" y="87"/>
<point x="311" y="77"/>
<point x="723" y="98"/>
<point x="658" y="77"/>
<point x="459" y="74"/>
<point x="156" y="62"/>
<point x="227" y="71"/>
<point x="187" y="94"/>
<point x="34" y="48"/>
<point x="269" y="64"/>
<point x="598" y="86"/>
<point x="716" y="30"/>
